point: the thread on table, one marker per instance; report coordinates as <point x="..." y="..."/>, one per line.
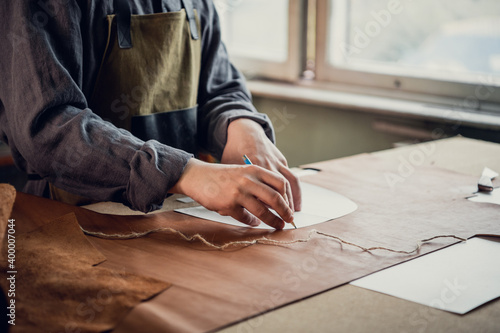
<point x="261" y="240"/>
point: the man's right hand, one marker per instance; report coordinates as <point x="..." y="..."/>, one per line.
<point x="237" y="191"/>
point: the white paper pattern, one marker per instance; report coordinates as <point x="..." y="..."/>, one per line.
<point x="458" y="278"/>
<point x="318" y="205"/>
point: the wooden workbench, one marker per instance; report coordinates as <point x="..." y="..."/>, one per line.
<point x="352" y="309"/>
<point x="301" y="287"/>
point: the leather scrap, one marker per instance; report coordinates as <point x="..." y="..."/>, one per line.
<point x="59" y="288"/>
<point x="7" y="198"/>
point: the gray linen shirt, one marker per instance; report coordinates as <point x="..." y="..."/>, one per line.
<point x="50" y="51"/>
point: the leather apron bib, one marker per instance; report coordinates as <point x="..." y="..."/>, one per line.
<point x="148" y="79"/>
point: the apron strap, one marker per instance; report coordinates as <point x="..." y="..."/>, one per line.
<point x="123" y="13"/>
<point x="188" y="6"/>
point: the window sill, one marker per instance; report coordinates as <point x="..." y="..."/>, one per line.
<point x="400" y="105"/>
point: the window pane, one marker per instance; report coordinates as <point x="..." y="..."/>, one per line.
<point x="255" y="29"/>
<point x="448" y="39"/>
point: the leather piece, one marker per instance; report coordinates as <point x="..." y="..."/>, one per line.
<point x="213" y="289"/>
<point x="59" y="287"/>
<point x="174" y="128"/>
<point x="7" y="198"/>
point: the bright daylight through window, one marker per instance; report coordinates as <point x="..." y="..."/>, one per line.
<point x="456" y="40"/>
<point x="438" y="52"/>
<point x="256" y="29"/>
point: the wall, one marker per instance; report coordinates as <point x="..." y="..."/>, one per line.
<point x="310" y="133"/>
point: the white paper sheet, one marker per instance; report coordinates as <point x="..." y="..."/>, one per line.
<point x="318" y="205"/>
<point x="488" y="197"/>
<point x="489" y="173"/>
<point x="458" y="278"/>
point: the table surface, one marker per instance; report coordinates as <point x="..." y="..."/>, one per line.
<point x="345" y="308"/>
<point x="353" y="309"/>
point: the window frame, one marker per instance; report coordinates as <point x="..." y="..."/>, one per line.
<point x="292" y="68"/>
<point x="478" y="97"/>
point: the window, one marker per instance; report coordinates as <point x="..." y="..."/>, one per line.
<point x="436" y="39"/>
<point x="256" y="29"/>
<point x="264" y="37"/>
<point x="442" y="48"/>
<point x="421" y="50"/>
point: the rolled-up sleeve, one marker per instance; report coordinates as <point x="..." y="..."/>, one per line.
<point x="45" y="119"/>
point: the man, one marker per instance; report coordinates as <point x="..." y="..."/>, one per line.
<point x="83" y="81"/>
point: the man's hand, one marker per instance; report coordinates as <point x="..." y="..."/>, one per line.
<point x="230" y="189"/>
<point x="246" y="137"/>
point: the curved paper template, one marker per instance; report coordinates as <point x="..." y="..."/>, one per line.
<point x="318" y="205"/>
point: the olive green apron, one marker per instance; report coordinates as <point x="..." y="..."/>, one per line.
<point x="148" y="79"/>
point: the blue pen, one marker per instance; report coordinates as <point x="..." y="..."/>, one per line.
<point x="247" y="161"/>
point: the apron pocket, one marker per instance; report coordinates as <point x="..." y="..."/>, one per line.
<point x="174" y="128"/>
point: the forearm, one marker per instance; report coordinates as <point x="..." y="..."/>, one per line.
<point x="86" y="156"/>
